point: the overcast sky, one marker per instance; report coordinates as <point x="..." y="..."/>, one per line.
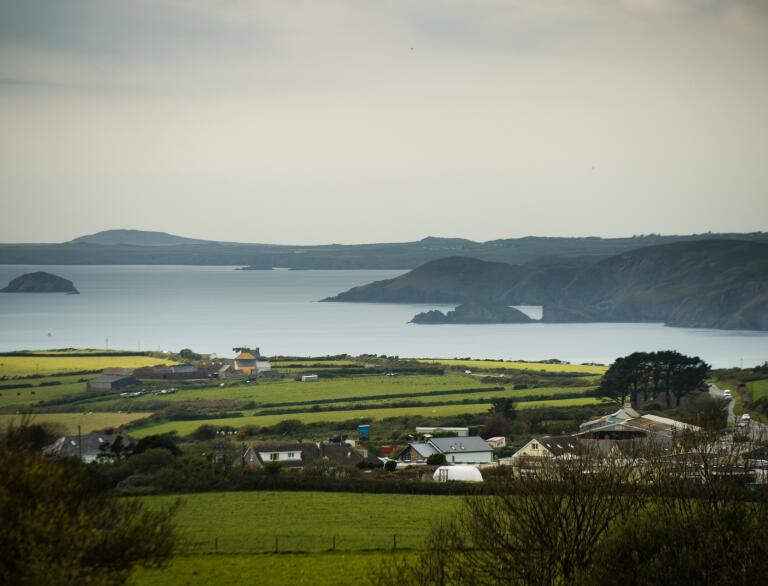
<point x="327" y="121"/>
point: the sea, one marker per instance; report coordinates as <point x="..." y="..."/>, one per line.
<point x="215" y="309"/>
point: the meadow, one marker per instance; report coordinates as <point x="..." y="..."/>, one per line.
<point x="21" y="366"/>
<point x="188" y="426"/>
<point x="758" y="389"/>
<point x="229" y="538"/>
<point x="517" y="365"/>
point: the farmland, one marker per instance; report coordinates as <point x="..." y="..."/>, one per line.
<point x="22" y="366"/>
<point x="70" y="421"/>
<point x="516" y="365"/>
<point x="216" y="535"/>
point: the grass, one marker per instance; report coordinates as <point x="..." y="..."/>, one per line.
<point x="514" y="365"/>
<point x="319" y="569"/>
<point x="187" y="427"/>
<point x="242" y="527"/>
<point x="17" y="366"/>
<point x="758" y="389"/>
<point x="26" y="398"/>
<point x="87" y="421"/>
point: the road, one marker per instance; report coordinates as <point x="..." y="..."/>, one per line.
<point x="717" y="392"/>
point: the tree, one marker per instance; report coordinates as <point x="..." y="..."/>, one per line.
<point x="436" y="459"/>
<point x="164" y="441"/>
<point x="504" y="406"/>
<point x="56" y="527"/>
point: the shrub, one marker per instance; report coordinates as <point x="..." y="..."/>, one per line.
<point x="436" y="459"/>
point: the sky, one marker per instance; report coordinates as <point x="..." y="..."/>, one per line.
<point x="324" y="121"/>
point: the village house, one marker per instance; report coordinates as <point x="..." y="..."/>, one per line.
<point x="545" y="447"/>
<point x="457" y="450"/>
<point x="90" y="447"/>
<point x="298" y="455"/>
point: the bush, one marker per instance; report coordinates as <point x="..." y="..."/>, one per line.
<point x="390" y="466"/>
<point x="436" y="459"/>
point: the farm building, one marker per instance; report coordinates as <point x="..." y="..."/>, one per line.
<point x="90" y="447"/>
<point x="457" y="473"/>
<point x="457" y="450"/>
<point x="112" y="383"/>
<point x="459" y="431"/>
<point x="181" y="372"/>
<point x="309" y="378"/>
<point x="497" y="442"/>
<point x="546" y="447"/>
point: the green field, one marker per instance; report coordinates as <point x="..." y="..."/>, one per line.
<point x="532" y="366"/>
<point x="24" y="398"/>
<point x="87" y="421"/>
<point x="242" y="526"/>
<point x="186" y="427"/>
<point x="758" y="389"/>
<point x="15" y="366"/>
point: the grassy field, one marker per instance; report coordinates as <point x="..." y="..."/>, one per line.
<point x="532" y="366"/>
<point x="186" y="427"/>
<point x="15" y="366"/>
<point x="242" y="527"/>
<point x="758" y="389"/>
<point x="87" y="421"/>
<point x="27" y="397"/>
<point x="316" y="569"/>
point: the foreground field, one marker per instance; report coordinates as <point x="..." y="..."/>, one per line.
<point x="88" y="422"/>
<point x="14" y="366"/>
<point x="242" y="527"/>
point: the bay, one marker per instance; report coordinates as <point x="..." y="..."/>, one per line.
<point x="213" y="309"/>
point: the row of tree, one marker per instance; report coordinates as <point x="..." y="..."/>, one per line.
<point x="644" y="376"/>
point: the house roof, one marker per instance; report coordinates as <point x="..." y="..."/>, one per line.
<point x="496" y="438"/>
<point x="309" y="451"/>
<point x="424" y="450"/>
<point x="117" y="371"/>
<point x="245" y="356"/>
<point x="70" y="445"/>
<point x="559" y="444"/>
<point x="452" y="445"/>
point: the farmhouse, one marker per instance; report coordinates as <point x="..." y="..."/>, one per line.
<point x="457" y="450"/>
<point x="90" y="447"/>
<point x="545" y="447"/>
<point x="111" y="382"/>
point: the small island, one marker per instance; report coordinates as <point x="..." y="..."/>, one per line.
<point x="474" y="312"/>
<point x="40" y="282"/>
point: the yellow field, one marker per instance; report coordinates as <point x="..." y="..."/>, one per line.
<point x="87" y="421"/>
<point x="533" y="366"/>
<point x="13" y="366"/>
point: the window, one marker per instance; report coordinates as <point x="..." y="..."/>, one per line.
<point x="291" y="455"/>
<point x="534" y="446"/>
<point x="273" y="457"/>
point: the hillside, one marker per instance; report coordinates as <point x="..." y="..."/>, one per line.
<point x="121" y="247"/>
<point x="708" y="284"/>
<point x="135" y="238"/>
<point x="474" y="312"/>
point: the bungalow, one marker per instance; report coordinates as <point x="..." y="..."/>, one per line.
<point x="298" y="455"/>
<point x="457" y="450"/>
<point x="89" y="447"/>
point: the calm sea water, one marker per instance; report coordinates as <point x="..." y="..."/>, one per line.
<point x="213" y="309"/>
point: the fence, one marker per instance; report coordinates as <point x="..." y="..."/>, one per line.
<point x="295" y="543"/>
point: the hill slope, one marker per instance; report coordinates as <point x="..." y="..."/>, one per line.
<point x="135" y="238"/>
<point x="710" y="284"/>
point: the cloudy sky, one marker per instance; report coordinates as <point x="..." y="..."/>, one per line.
<point x="382" y="120"/>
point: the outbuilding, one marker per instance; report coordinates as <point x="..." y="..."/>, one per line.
<point x="457" y="473"/>
<point x="111" y="383"/>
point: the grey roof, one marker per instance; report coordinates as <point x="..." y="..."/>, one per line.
<point x="559" y="444"/>
<point x="452" y="445"/>
<point x="69" y="445"/>
<point x="424" y="450"/>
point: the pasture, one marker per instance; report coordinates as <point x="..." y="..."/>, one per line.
<point x="229" y="538"/>
<point x="69" y="421"/>
<point x="515" y="365"/>
<point x="758" y="389"/>
<point x="21" y="366"/>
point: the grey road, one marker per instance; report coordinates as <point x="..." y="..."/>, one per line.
<point x="715" y="391"/>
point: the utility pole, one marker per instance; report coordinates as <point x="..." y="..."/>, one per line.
<point x="107" y="342"/>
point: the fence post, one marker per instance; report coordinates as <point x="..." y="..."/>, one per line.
<point x="333" y="545"/>
<point x="276" y="547"/>
<point x="216" y="544"/>
<point x="394" y="541"/>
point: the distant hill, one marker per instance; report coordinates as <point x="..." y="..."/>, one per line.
<point x="126" y="247"/>
<point x="474" y="312"/>
<point x="40" y="282"/>
<point x="707" y="284"/>
<point x="135" y="238"/>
